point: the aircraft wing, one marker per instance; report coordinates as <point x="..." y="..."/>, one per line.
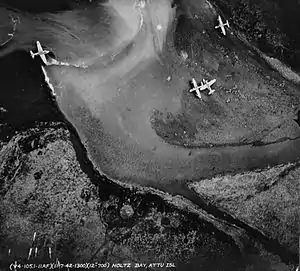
<point x="210" y="83"/>
<point x="32" y="54"/>
<point x="194" y="83"/>
<point x="39" y="46"/>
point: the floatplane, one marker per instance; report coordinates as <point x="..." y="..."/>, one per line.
<point x="207" y="85"/>
<point x="222" y="25"/>
<point x="40" y="52"/>
<point x="204" y="85"/>
<point x="196" y="88"/>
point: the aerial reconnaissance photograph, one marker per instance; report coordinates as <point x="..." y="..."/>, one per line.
<point x="150" y="135"/>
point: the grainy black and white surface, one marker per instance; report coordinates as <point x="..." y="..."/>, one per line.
<point x="236" y="209"/>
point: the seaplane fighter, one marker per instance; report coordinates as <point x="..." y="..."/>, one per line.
<point x="40" y="52"/>
<point x="196" y="88"/>
<point x="207" y="85"/>
<point x="222" y="25"/>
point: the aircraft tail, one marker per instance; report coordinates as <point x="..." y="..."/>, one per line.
<point x="32" y="54"/>
<point x="211" y="91"/>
